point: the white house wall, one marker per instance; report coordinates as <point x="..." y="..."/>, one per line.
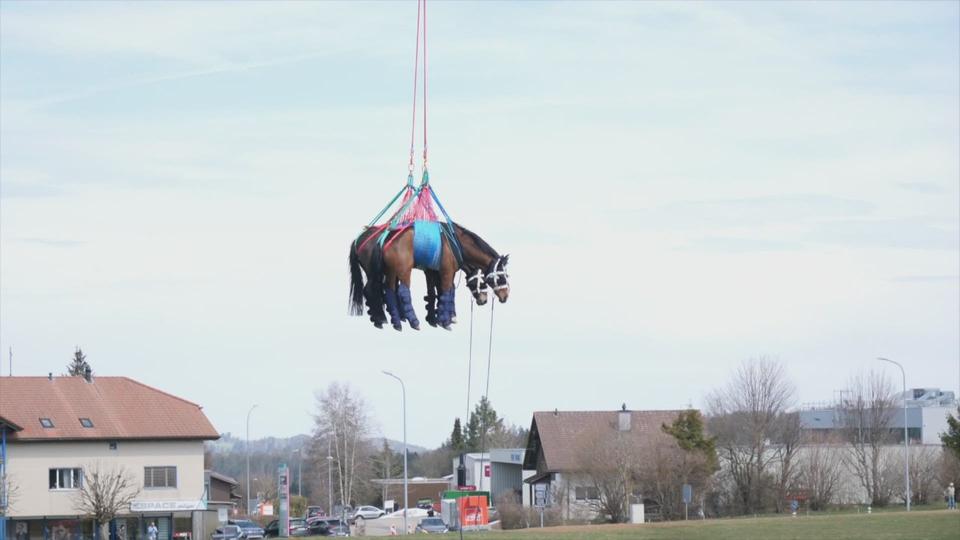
<point x="29" y="464"/>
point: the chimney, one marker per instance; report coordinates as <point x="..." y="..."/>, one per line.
<point x="623" y="419"/>
<point x="50" y="376"/>
<point x="88" y="374"/>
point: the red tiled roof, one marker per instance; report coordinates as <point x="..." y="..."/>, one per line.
<point x="563" y="435"/>
<point x="120" y="408"/>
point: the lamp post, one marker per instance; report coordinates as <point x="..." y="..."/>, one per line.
<point x="246" y="448"/>
<point x="906" y="439"/>
<point x="403" y="390"/>
<point x="299" y="453"/>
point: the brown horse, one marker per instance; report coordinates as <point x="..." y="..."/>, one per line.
<point x="388" y="272"/>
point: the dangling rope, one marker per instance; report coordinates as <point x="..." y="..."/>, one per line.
<point x="486" y="397"/>
<point x="413" y="119"/>
<point x="470" y="362"/>
<point x="425" y="175"/>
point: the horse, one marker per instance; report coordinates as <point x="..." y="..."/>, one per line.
<point x="388" y="272"/>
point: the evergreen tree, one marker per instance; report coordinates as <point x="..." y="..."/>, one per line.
<point x="951" y="439"/>
<point x="456" y="442"/>
<point x="78" y="366"/>
<point x="483" y="426"/>
<point x="688" y="431"/>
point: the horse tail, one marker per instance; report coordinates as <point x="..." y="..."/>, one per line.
<point x="375" y="278"/>
<point x="356" y="282"/>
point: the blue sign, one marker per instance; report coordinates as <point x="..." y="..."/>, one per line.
<point x="687" y="493"/>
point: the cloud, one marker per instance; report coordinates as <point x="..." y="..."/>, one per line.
<point x="51" y="242"/>
<point x="955" y="279"/>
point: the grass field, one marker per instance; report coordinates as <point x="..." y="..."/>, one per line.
<point x="921" y="525"/>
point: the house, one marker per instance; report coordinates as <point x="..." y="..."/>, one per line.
<point x="563" y="446"/>
<point x="58" y="431"/>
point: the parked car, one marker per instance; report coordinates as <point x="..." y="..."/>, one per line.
<point x="250" y="529"/>
<point x="432" y="525"/>
<point x="367" y="512"/>
<point x="297" y="527"/>
<point x="327" y="526"/>
<point x="340" y="529"/>
<point x="314" y="511"/>
<point x="227" y="532"/>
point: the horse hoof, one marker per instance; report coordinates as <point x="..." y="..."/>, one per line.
<point x="398" y="327"/>
<point x="448" y="327"/>
<point x="379" y="325"/>
<point x="415" y="325"/>
<point x="453" y="320"/>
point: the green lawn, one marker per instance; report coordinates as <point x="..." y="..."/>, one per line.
<point x="919" y="525"/>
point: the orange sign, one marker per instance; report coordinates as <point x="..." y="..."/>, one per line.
<point x="473" y="510"/>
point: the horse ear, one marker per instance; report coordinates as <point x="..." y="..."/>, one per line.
<point x="506" y="259"/>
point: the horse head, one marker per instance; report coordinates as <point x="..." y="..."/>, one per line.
<point x="496" y="277"/>
<point x="477" y="285"/>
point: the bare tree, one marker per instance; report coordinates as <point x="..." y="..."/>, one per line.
<point x="613" y="467"/>
<point x="745" y="416"/>
<point x="104" y="493"/>
<point x="342" y="418"/>
<point x="9" y="493"/>
<point x="924" y="470"/>
<point x="820" y="472"/>
<point x="866" y="417"/>
<point x="786" y="438"/>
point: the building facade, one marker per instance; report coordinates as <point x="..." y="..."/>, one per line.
<point x="499" y="472"/>
<point x="926" y="418"/>
<point x="60" y="431"/>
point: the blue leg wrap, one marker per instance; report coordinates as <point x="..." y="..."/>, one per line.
<point x="406" y="306"/>
<point x="391" y="298"/>
<point x="446" y="310"/>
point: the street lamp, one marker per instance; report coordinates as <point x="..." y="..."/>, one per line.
<point x="299" y="453"/>
<point x="246" y="448"/>
<point x="906" y="439"/>
<point x="403" y="390"/>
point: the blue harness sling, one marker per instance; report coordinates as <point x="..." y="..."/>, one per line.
<point x="427" y="244"/>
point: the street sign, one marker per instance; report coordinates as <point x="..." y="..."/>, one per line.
<point x="687" y="497"/>
<point x="539" y="495"/>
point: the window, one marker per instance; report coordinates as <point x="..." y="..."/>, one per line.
<point x="113" y="445"/>
<point x="46" y="423"/>
<point x="159" y="477"/>
<point x="66" y="478"/>
<point x="86" y="422"/>
<point x="587" y="494"/>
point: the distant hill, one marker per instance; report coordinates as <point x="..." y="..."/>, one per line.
<point x="287" y="445"/>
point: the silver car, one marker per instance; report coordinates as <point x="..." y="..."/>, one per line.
<point x="368" y="512"/>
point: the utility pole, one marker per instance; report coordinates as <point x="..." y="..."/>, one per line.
<point x="246" y="448"/>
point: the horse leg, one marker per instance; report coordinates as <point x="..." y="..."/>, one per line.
<point x="374" y="307"/>
<point x="447" y="309"/>
<point x="405" y="301"/>
<point x="392" y="300"/>
<point x="433" y="283"/>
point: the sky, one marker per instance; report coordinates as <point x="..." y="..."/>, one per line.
<point x="681" y="187"/>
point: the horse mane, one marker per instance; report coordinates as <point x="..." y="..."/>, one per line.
<point x="480" y="242"/>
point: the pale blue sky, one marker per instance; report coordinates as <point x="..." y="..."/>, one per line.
<point x="681" y="186"/>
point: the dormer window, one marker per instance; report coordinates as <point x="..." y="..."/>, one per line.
<point x="46" y="423"/>
<point x="86" y="422"/>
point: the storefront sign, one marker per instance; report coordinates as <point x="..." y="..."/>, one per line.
<point x="167" y="506"/>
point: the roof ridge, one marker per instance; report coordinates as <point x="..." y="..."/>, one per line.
<point x="155" y="389"/>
